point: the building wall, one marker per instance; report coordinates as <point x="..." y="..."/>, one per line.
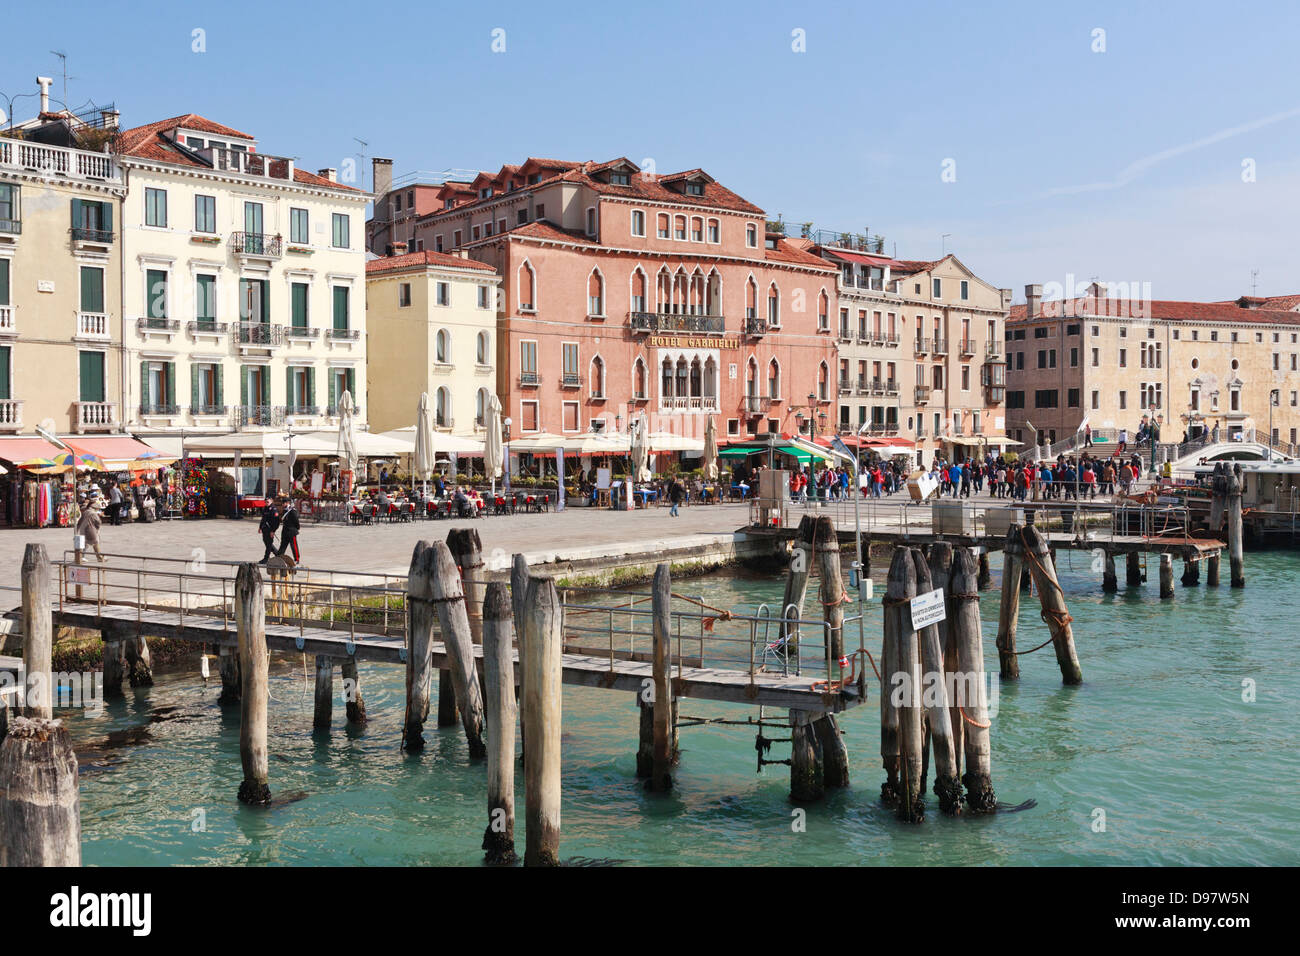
<point x="402" y="347"/>
<point x="184" y="254"/>
<point x="43" y="332"/>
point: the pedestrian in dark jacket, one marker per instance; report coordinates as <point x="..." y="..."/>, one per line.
<point x="675" y="495"/>
<point x="268" y="525"/>
<point x="289" y="530"/>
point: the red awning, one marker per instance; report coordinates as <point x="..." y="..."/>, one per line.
<point x="116" y="451"/>
<point x="18" y="448"/>
<point x="878" y="261"/>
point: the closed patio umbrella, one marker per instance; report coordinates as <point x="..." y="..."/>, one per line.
<point x="711" y="450"/>
<point x="423" y="462"/>
<point x="347" y="446"/>
<point x="492" y="451"/>
<point x="641" y="451"/>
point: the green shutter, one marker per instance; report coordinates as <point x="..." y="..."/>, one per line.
<point x="299" y="305"/>
<point x="156" y="294"/>
<point x="106" y="210"/>
<point x="194" y="387"/>
<point x="352" y="385"/>
<point x="288" y="386"/>
<point x="311" y="387"/>
<point x="92" y="289"/>
<point x="144" y="385"/>
<point x="171" y="383"/>
<point x="4" y="373"/>
<point x="92" y="376"/>
<point x="218" y="372"/>
<point x="243" y="385"/>
<point x="340" y="307"/>
<point x="4" y="281"/>
<point x="266" y="385"/>
<point x="203" y="309"/>
<point x="77" y="219"/>
<point x="333" y="396"/>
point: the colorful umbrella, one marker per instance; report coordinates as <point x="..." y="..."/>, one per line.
<point x="82" y="462"/>
<point x="40" y="464"/>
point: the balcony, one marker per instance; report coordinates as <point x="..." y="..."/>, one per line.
<point x="967" y="346"/>
<point x="922" y="345"/>
<point x="891" y="387"/>
<point x="756" y="327"/>
<point x="958" y="429"/>
<point x="332" y="411"/>
<point x="92" y="325"/>
<point x="864" y="385"/>
<point x="444" y="423"/>
<point x="756" y="404"/>
<point x="996" y="394"/>
<point x="300" y="332"/>
<point x="13" y="227"/>
<point x="343" y="335"/>
<point x="675" y="322"/>
<point x="892" y="338"/>
<point x="940" y="346"/>
<point x="299" y="411"/>
<point x="922" y="394"/>
<point x="97" y="236"/>
<point x="845" y="335"/>
<point x="263" y="415"/>
<point x="95" y="417"/>
<point x="199" y="327"/>
<point x="11" y="414"/>
<point x="145" y="326"/>
<point x="992" y="349"/>
<point x="260" y="335"/>
<point x="570" y="380"/>
<point x="202" y="410"/>
<point x="58" y="161"/>
<point x="688" y="403"/>
<point x="256" y="245"/>
<point x="877" y="386"/>
<point x="529" y="379"/>
<point x="158" y="409"/>
<point x="846" y="386"/>
<point x="7" y="319"/>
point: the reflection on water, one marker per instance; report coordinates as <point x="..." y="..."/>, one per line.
<point x="1158" y="737"/>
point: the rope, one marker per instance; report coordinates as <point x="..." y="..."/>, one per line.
<point x="973" y="723"/>
<point x="1032" y="649"/>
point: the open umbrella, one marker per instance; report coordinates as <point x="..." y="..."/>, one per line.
<point x="492" y="450"/>
<point x="423" y="462"/>
<point x="42" y="465"/>
<point x="347" y="447"/>
<point x="82" y="462"/>
<point x="711" y="450"/>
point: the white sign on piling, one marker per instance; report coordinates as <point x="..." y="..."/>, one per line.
<point x="927" y="609"/>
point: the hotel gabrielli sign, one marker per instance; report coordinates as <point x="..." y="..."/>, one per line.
<point x="695" y="341"/>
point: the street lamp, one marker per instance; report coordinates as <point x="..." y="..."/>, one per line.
<point x="505" y="424"/>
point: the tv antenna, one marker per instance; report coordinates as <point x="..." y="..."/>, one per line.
<point x="63" y="65"/>
<point x="1254" y="281"/>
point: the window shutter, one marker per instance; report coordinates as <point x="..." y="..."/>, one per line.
<point x="331" y="381"/>
<point x="171" y="383"/>
<point x="4" y="372"/>
<point x="219" y="386"/>
<point x="311" y="387"/>
<point x="145" y="397"/>
<point x="106" y="210"/>
<point x="243" y="385"/>
<point x="288" y="386"/>
<point x="76" y="214"/>
<point x="194" y="387"/>
<point x="352" y="385"/>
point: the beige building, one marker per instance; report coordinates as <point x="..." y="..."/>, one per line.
<point x="1192" y="367"/>
<point x="431" y="327"/>
<point x="60" y="268"/>
<point x="920" y="349"/>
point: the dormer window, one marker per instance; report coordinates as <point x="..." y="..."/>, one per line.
<point x="534" y="179"/>
<point x="485" y="192"/>
<point x="448" y="203"/>
<point x="620" y="179"/>
<point x="695" y="189"/>
<point x="771" y="242"/>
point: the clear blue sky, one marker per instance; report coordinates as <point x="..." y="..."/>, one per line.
<point x="1124" y="164"/>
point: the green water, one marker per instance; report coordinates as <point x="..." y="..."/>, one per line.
<point x="1158" y="737"/>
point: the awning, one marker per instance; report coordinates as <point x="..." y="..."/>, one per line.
<point x="443" y="444"/>
<point x="1001" y="441"/>
<point x="259" y="445"/>
<point x="878" y="261"/>
<point x="117" y="451"/>
<point x="16" y="448"/>
<point x="368" y="444"/>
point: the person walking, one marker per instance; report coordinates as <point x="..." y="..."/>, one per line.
<point x="114" y="504"/>
<point x="675" y="494"/>
<point x="289" y="529"/>
<point x="268" y="525"/>
<point x="1123" y="440"/>
<point x="88" y="526"/>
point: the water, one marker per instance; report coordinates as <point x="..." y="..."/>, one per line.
<point x="1158" y="737"/>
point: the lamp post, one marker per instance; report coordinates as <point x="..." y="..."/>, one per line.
<point x="505" y="481"/>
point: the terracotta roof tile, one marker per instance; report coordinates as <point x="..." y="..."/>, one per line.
<point x="419" y="260"/>
<point x="1164" y="309"/>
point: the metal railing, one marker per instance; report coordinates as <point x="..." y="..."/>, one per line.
<point x="260" y="334"/>
<point x="342" y="334"/>
<point x="300" y="332"/>
<point x="152" y="324"/>
<point x="756" y="326"/>
<point x="259" y="415"/>
<point x="676" y="322"/>
<point x="529" y="379"/>
<point x="257" y="244"/>
<point x="206" y="327"/>
<point x="159" y="408"/>
<point x="922" y="345"/>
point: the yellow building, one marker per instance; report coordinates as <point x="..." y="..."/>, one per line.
<point x="431" y="327"/>
<point x="60" y="269"/>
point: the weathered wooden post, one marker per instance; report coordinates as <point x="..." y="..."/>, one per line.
<point x="542" y="722"/>
<point x="139" y="663"/>
<point x="900" y="588"/>
<point x="835" y="756"/>
<point x="499" y="688"/>
<point x="796" y="583"/>
<point x="940" y="560"/>
<point x="1236" y="561"/>
<point x="447" y="714"/>
<point x="40" y="806"/>
<point x="228" y="664"/>
<point x="1133" y="569"/>
<point x="1166" y="575"/>
<point x="467" y="551"/>
<point x="807" y="774"/>
<point x="250" y="623"/>
<point x="985" y="575"/>
<point x="442" y="587"/>
<point x="324" y="702"/>
<point x="935" y="702"/>
<point x="110" y="632"/>
<point x="1109" y="581"/>
<point x="518" y="594"/>
<point x="1013" y="565"/>
<point x="905" y="689"/>
<point x="353" y="701"/>
<point x="661" y="759"/>
<point x="38" y="632"/>
<point x="420" y="616"/>
<point x="1191" y="572"/>
<point x="1212" y="570"/>
<point x="969" y="693"/>
<point x="1052" y="599"/>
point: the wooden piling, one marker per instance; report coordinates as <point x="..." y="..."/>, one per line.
<point x="354" y="703"/>
<point x="1236" y="558"/>
<point x="900" y="588"/>
<point x="1212" y="571"/>
<point x="447" y="713"/>
<point x="1133" y="569"/>
<point x="467" y="551"/>
<point x="542" y="722"/>
<point x="1166" y="576"/>
<point x="518" y="593"/>
<point x="324" y="703"/>
<point x="985" y="575"/>
<point x="441" y="585"/>
<point x="1013" y="567"/>
<point x="835" y="756"/>
<point x="796" y="582"/>
<point x="1052" y="599"/>
<point x="807" y="773"/>
<point x="1218" y="497"/>
<point x="40" y="806"/>
<point x="38" y="632"/>
<point x="499" y="699"/>
<point x="940" y="561"/>
<point x="1109" y="581"/>
<point x="110" y="633"/>
<point x="228" y="664"/>
<point x="250" y="623"/>
<point x="934" y="700"/>
<point x="420" y="616"/>
<point x="905" y="691"/>
<point x="1191" y="573"/>
<point x="139" y="663"/>
<point x="661" y="757"/>
<point x="969" y="693"/>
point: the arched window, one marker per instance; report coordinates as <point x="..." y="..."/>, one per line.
<point x="773" y="305"/>
<point x="823" y="310"/>
<point x="527" y="287"/>
<point x="639" y="283"/>
<point x="597" y="377"/>
<point x="480" y="407"/>
<point x="664" y="291"/>
<point x="697" y="379"/>
<point x="666" y="386"/>
<point x="640" y="380"/>
<point x="682" y="388"/>
<point x="442" y="347"/>
<point x="697" y="293"/>
<point x="482" y="349"/>
<point x="773" y="379"/>
<point x="595" y="293"/>
<point x="680" y="294"/>
<point x="823" y="381"/>
<point x="751" y="377"/>
<point x="442" y="407"/>
<point x="710" y="391"/>
<point x="713" y="294"/>
<point x="751" y="298"/>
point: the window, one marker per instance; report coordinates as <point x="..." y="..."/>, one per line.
<point x="205" y="214"/>
<point x="442" y="347"/>
<point x="482" y="349"/>
<point x="1040" y="332"/>
<point x="662" y="225"/>
<point x="751" y="235"/>
<point x="1123" y="399"/>
<point x="341" y="307"/>
<point x="638" y="298"/>
<point x="638" y="222"/>
<point x="341" y="234"/>
<point x="480" y="407"/>
<point x="91" y="384"/>
<point x="253" y="301"/>
<point x="679" y="227"/>
<point x="155" y="295"/>
<point x="155" y="207"/>
<point x="10" y="208"/>
<point x="437" y="243"/>
<point x="773" y="305"/>
<point x="595" y="294"/>
<point x="341" y="380"/>
<point x="298" y="304"/>
<point x="474" y="233"/>
<point x="1072" y="398"/>
<point x="527" y="288"/>
<point x="205" y="389"/>
<point x="1123" y="358"/>
<point x="483" y="301"/>
<point x="442" y="407"/>
<point x="697" y="229"/>
<point x="1096" y="358"/>
<point x="965" y="289"/>
<point x="695" y="189"/>
<point x="596" y="377"/>
<point x="591" y="221"/>
<point x="1096" y="399"/>
<point x="541" y="211"/>
<point x="298" y="222"/>
<point x="403" y="295"/>
<point x="936" y="288"/>
<point x="92" y="221"/>
<point x="443" y="293"/>
<point x="773" y="379"/>
<point x="528" y="417"/>
<point x="620" y="178"/>
<point x="715" y="231"/>
<point x="965" y="378"/>
<point x="1046" y="398"/>
<point x="569" y="361"/>
<point x="300" y="389"/>
<point x="455" y="239"/>
<point x="569" y="416"/>
<point x="528" y="362"/>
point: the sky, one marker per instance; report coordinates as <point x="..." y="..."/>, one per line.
<point x="1144" y="143"/>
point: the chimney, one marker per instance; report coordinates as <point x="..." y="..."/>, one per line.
<point x="44" y="82"/>
<point x="109" y="118"/>
<point x="1033" y="300"/>
<point x="381" y="175"/>
<point x="399" y="248"/>
<point x="1097" y="290"/>
<point x="330" y="173"/>
<point x="1006" y="298"/>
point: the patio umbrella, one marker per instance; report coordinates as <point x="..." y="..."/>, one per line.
<point x="423" y="461"/>
<point x="711" y="450"/>
<point x="42" y="465"/>
<point x="492" y="450"/>
<point x="70" y="459"/>
<point x="347" y="447"/>
<point x="640" y="452"/>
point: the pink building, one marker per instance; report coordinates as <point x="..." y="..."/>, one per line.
<point x="627" y="291"/>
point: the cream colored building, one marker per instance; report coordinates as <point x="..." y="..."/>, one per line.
<point x="1192" y="366"/>
<point x="60" y="262"/>
<point x="243" y="284"/>
<point x="431" y="327"/>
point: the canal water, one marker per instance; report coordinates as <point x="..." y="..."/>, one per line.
<point x="1159" y="758"/>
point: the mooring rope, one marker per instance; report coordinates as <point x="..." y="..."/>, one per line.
<point x="974" y="723"/>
